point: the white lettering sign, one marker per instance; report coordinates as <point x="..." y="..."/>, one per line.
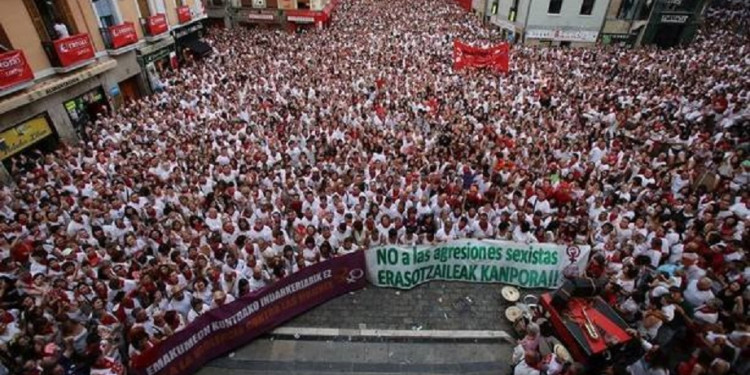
<point x="586" y="36"/>
<point x="267" y="17"/>
<point x="300" y="19"/>
<point x="674" y="18"/>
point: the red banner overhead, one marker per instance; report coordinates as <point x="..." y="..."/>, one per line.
<point x="123" y="35"/>
<point x="74" y="49"/>
<point x="14" y="69"/>
<point x="495" y="57"/>
<point x="183" y="14"/>
<point x="157" y="24"/>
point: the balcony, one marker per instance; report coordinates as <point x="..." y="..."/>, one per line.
<point x="15" y="72"/>
<point x="70" y="53"/>
<point x="183" y="15"/>
<point x="155" y="27"/>
<point x="120" y="38"/>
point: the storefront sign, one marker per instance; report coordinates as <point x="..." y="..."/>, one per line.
<point x="14" y="70"/>
<point x="585" y="36"/>
<point x="183" y="14"/>
<point x="157" y="24"/>
<point x="81" y="108"/>
<point x="56" y="84"/>
<point x="614" y="38"/>
<point x="674" y="18"/>
<point x="227" y="327"/>
<point x="525" y="265"/>
<point x="24" y="135"/>
<point x="503" y="24"/>
<point x="123" y="35"/>
<point x="304" y="16"/>
<point x="260" y="17"/>
<point x="151" y="48"/>
<point x="300" y="19"/>
<point x="74" y="49"/>
<point x="187" y="30"/>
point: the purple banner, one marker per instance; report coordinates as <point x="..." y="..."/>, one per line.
<point x="225" y="328"/>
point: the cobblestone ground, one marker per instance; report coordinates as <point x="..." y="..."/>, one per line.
<point x="431" y="306"/>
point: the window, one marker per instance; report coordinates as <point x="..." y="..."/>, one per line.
<point x="52" y="19"/>
<point x="587" y="7"/>
<point x="554" y="6"/>
<point x="645" y="10"/>
<point x="159" y="6"/>
<point x="5" y="45"/>
<point x="627" y="9"/>
<point x="143" y="8"/>
<point x="107" y="13"/>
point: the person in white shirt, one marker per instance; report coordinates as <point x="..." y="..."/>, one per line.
<point x="181" y="301"/>
<point x="197" y="309"/>
<point x="61" y="29"/>
<point x="529" y="365"/>
<point x="698" y="292"/>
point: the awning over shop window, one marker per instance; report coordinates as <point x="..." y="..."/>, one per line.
<point x="198" y="47"/>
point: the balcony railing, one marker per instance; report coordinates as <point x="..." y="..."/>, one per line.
<point x="15" y="72"/>
<point x="155" y="27"/>
<point x="183" y="14"/>
<point x="119" y="38"/>
<point x="70" y="53"/>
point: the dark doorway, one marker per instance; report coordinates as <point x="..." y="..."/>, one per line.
<point x="668" y="35"/>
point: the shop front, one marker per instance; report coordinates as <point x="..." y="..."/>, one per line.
<point x="188" y="41"/>
<point x="560" y="37"/>
<point x="86" y="108"/>
<point x="618" y="39"/>
<point x="508" y="29"/>
<point x="154" y="59"/>
<point x="31" y="138"/>
<point x="259" y="16"/>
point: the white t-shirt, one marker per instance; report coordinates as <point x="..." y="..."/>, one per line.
<point x="61" y="30"/>
<point x="697" y="297"/>
<point x="524" y="369"/>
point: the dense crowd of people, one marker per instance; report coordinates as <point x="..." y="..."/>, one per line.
<point x="282" y="150"/>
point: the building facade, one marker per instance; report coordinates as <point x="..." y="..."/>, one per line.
<point x="547" y="22"/>
<point x="65" y="62"/>
<point x="290" y="14"/>
<point x="665" y="23"/>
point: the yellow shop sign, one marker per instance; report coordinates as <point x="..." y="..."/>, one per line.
<point x="24" y="135"/>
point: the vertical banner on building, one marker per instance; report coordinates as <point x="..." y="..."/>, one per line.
<point x="494" y="57"/>
<point x="74" y="49"/>
<point x="123" y="35"/>
<point x="14" y="69"/>
<point x="479" y="261"/>
<point x="173" y="62"/>
<point x="227" y="327"/>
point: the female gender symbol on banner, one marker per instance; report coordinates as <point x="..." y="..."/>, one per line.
<point x="354" y="275"/>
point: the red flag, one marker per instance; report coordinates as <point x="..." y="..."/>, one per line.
<point x="494" y="57"/>
<point x="466" y="4"/>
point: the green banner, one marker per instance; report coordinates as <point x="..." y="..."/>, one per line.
<point x="480" y="261"/>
